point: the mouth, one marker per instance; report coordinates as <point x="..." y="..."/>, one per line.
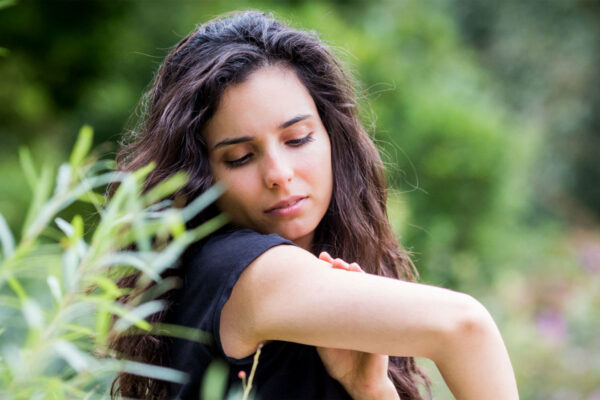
<point x="286" y="203"/>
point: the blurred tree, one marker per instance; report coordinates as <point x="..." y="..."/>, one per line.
<point x="487" y="115"/>
<point x="546" y="54"/>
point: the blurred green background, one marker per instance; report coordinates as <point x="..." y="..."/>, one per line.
<point x="487" y="115"/>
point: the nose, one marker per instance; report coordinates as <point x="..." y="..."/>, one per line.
<point x="278" y="170"/>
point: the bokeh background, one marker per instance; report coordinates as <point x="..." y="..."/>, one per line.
<point x="487" y="115"/>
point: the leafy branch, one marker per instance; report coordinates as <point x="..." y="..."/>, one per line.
<point x="57" y="288"/>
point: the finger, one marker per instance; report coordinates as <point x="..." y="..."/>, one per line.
<point x="340" y="266"/>
<point x="339" y="263"/>
<point x="326" y="257"/>
<point x="355" y="267"/>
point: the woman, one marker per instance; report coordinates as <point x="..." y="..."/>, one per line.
<point x="268" y="112"/>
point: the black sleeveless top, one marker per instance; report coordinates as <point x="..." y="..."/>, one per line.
<point x="210" y="270"/>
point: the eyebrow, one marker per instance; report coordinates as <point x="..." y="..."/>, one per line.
<point x="294" y="120"/>
<point x="243" y="139"/>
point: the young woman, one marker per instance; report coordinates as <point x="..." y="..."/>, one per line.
<point x="268" y="112"/>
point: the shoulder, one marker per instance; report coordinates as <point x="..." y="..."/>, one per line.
<point x="232" y="247"/>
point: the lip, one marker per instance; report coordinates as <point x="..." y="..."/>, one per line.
<point x="286" y="206"/>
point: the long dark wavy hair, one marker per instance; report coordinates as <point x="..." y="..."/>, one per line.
<point x="185" y="95"/>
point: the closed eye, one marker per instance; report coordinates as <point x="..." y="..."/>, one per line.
<point x="300" y="141"/>
<point x="239" y="161"/>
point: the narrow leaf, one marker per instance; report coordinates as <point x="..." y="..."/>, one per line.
<point x="63" y="178"/>
<point x="70" y="262"/>
<point x="28" y="167"/>
<point x="7" y="239"/>
<point x="79" y="360"/>
<point x="153" y="371"/>
<point x="215" y="381"/>
<point x="139" y="313"/>
<point x="54" y="286"/>
<point x="132" y="259"/>
<point x="77" y="224"/>
<point x="82" y="146"/>
<point x="201" y="202"/>
<point x="166" y="188"/>
<point x="36" y="210"/>
<point x="141" y="174"/>
<point x="33" y="313"/>
<point x="182" y="332"/>
<point x="64" y="226"/>
<point x="92" y="198"/>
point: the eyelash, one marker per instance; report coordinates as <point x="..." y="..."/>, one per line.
<point x="294" y="143"/>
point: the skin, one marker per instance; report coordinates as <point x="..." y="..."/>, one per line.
<point x="354" y="319"/>
<point x="280" y="150"/>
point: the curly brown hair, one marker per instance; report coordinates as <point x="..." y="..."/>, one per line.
<point x="186" y="93"/>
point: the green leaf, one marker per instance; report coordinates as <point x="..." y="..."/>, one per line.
<point x="16" y="286"/>
<point x="55" y="289"/>
<point x="6" y="237"/>
<point x="182" y="332"/>
<point x="58" y="203"/>
<point x="63" y="179"/>
<point x="111" y="290"/>
<point x="153" y="371"/>
<point x="33" y="313"/>
<point x="28" y="167"/>
<point x="139" y="313"/>
<point x="160" y="288"/>
<point x="77" y="223"/>
<point x="64" y="226"/>
<point x="80" y="329"/>
<point x="93" y="198"/>
<point x="215" y="381"/>
<point x="79" y="360"/>
<point x="201" y="202"/>
<point x="70" y="262"/>
<point x="82" y="146"/>
<point x="141" y="174"/>
<point x="118" y="309"/>
<point x="40" y="195"/>
<point x="166" y="188"/>
<point x="130" y="258"/>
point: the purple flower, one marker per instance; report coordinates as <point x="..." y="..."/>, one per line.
<point x="552" y="325"/>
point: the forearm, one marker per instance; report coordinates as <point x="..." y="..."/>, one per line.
<point x="473" y="358"/>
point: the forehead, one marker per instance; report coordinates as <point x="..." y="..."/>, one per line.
<point x="261" y="103"/>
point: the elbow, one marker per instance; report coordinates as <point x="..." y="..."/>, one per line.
<point x="469" y="322"/>
<point x="473" y="318"/>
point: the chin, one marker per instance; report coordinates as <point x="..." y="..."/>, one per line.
<point x="296" y="234"/>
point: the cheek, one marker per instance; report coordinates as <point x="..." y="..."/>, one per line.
<point x="317" y="165"/>
<point x="240" y="191"/>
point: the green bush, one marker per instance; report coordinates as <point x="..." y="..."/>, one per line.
<point x="57" y="282"/>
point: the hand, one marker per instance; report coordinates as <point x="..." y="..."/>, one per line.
<point x="363" y="375"/>
<point x="338" y="263"/>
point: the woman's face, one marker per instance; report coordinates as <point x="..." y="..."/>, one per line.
<point x="269" y="148"/>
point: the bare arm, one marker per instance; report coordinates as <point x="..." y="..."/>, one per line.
<point x="288" y="294"/>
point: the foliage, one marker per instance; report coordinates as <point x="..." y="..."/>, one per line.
<point x="57" y="288"/>
<point x="486" y="114"/>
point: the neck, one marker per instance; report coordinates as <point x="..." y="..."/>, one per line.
<point x="305" y="242"/>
